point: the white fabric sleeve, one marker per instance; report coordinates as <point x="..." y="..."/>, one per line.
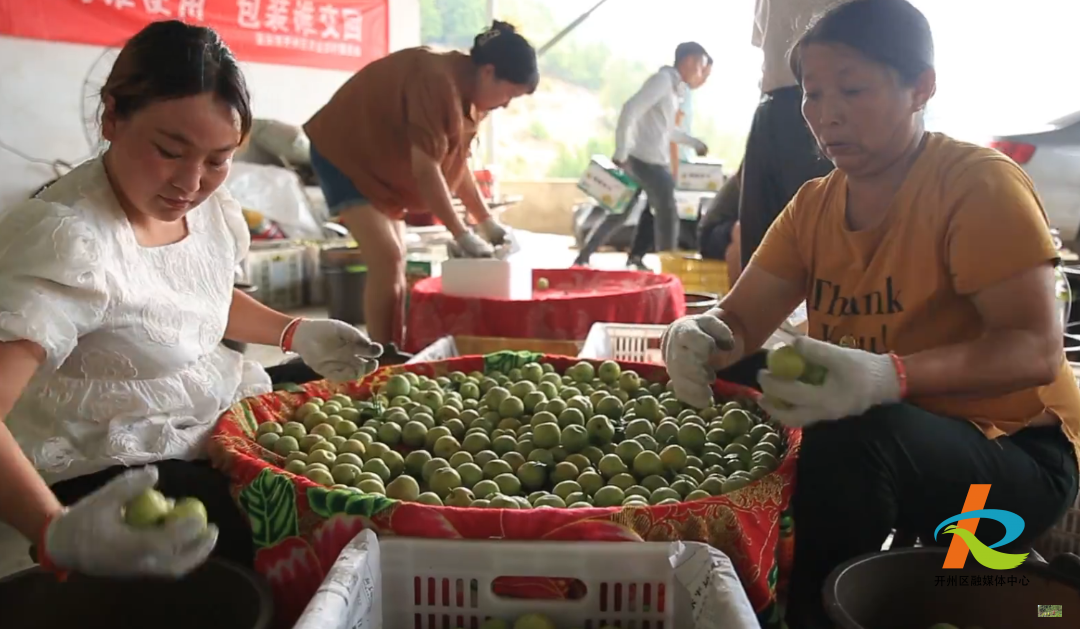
<point x="650" y="93"/>
<point x="233" y="214"/>
<point x="53" y="286"/>
<point x="678" y="136"/>
<point x="761" y="15"/>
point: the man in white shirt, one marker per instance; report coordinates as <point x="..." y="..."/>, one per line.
<point x="647" y="126"/>
<point x="781" y="153"/>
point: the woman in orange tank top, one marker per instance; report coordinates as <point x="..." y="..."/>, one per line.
<point x="396" y="138"/>
<point x="927" y="268"/>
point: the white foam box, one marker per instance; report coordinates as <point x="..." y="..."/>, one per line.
<point x="487" y="278"/>
<point x="702" y="175"/>
<point x="689" y="204"/>
<point x="608" y="184"/>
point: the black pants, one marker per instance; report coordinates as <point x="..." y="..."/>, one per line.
<point x="197" y="479"/>
<point x="659" y="222"/>
<point x="718" y="221"/>
<point x="901" y="467"/>
<point x="781" y="155"/>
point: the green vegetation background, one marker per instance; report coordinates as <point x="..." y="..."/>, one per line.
<point x="587" y="64"/>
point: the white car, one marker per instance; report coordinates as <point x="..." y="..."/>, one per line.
<point x="1051" y="157"/>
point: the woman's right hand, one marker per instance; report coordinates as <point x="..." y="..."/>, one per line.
<point x="473" y="246"/>
<point x="92" y="538"/>
<point x="692" y="347"/>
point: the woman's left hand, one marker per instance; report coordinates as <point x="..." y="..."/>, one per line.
<point x="335" y="349"/>
<point x="496" y="233"/>
<point x="855" y="381"/>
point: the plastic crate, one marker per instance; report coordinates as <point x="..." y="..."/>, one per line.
<point x="696" y="273"/>
<point x="277" y="268"/>
<point x="641" y="343"/>
<point x="630" y="342"/>
<point x="410" y="583"/>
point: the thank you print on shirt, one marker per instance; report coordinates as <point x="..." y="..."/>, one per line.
<point x="842" y="313"/>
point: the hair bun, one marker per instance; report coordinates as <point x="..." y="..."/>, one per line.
<point x="497" y="28"/>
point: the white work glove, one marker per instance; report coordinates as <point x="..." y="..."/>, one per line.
<point x="92" y="538"/>
<point x="496" y="233"/>
<point x="335" y="349"/>
<point x="469" y="245"/>
<point x="855" y="382"/>
<point x="688" y="346"/>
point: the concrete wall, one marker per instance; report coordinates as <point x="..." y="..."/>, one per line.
<point x="547" y="206"/>
<point x="42" y="89"/>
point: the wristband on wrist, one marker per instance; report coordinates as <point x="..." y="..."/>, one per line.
<point x="286" y="340"/>
<point x="901" y="374"/>
<point x="44" y="560"/>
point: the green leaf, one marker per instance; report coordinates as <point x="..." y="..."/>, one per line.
<point x="319" y="501"/>
<point x="337" y="498"/>
<point x="506" y="360"/>
<point x="270" y="504"/>
<point x="290" y="387"/>
<point x="250" y="423"/>
<point x="368" y="504"/>
<point x="328" y="502"/>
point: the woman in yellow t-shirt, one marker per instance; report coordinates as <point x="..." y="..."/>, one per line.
<point x="928" y="271"/>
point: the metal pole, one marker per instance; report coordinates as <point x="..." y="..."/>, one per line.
<point x="489" y="139"/>
<point x="566" y="31"/>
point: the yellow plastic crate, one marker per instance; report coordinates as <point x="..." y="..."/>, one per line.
<point x="696" y="273"/>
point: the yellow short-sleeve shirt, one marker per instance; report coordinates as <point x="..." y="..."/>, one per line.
<point x="965" y="219"/>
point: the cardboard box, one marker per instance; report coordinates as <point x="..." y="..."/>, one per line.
<point x="690" y="205"/>
<point x="276" y="269"/>
<point x="700" y="175"/>
<point x="605" y="182"/>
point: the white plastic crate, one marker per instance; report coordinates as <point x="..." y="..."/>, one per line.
<point x="624" y="341"/>
<point x="640" y="342"/>
<point x="410" y="583"/>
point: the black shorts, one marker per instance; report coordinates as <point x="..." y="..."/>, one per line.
<point x="781" y="155"/>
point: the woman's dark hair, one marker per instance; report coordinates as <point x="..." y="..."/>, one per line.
<point x="169" y="60"/>
<point x="891" y="32"/>
<point x="510" y="54"/>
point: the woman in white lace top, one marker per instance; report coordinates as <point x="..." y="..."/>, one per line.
<point x="116" y="290"/>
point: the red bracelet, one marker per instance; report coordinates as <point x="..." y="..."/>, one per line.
<point x="288" y="333"/>
<point x="44" y="560"/>
<point x="901" y="374"/>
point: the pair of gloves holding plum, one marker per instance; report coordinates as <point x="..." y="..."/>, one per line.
<point x="696" y="346"/>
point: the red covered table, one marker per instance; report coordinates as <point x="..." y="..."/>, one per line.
<point x="565" y="310"/>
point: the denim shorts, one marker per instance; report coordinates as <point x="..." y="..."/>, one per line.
<point x="338" y="189"/>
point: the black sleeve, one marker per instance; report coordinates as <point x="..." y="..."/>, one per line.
<point x="714" y="231"/>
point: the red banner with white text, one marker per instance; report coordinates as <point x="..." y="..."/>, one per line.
<point x="335" y="34"/>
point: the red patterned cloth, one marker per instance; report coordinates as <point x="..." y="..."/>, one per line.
<point x="573" y="301"/>
<point x="299" y="528"/>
